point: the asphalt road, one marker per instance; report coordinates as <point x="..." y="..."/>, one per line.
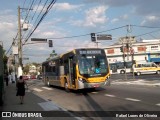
<point x="109" y="98"/>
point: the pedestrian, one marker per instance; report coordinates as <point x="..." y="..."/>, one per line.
<point x="13" y="77"/>
<point x="6" y="78"/>
<point x="16" y="78"/>
<point x="9" y="78"/>
<point x="21" y="89"/>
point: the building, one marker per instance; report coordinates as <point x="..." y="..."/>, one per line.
<point x="146" y="50"/>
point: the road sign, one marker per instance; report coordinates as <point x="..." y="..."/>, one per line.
<point x="25" y="58"/>
<point x="104" y="37"/>
<point x="38" y="40"/>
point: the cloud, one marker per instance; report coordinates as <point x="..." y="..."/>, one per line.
<point x="114" y="20"/>
<point x="138" y="8"/>
<point x="8" y="27"/>
<point x="93" y="17"/>
<point x="123" y="17"/>
<point x="151" y="20"/>
<point x="66" y="7"/>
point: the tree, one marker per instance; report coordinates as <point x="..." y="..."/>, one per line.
<point x="26" y="68"/>
<point x="5" y="60"/>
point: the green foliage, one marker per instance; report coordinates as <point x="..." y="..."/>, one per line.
<point x="26" y="68"/>
<point x="5" y="59"/>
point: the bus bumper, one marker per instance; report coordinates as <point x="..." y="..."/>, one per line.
<point x="83" y="85"/>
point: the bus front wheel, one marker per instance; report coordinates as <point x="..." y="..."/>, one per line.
<point x="122" y="71"/>
<point x="138" y="73"/>
<point x="158" y="72"/>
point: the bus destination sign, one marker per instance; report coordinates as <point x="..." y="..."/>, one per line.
<point x="90" y="51"/>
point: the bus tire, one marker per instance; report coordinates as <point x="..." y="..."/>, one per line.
<point x="138" y="73"/>
<point x="122" y="71"/>
<point x="158" y="72"/>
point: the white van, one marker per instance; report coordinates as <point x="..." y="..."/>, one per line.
<point x="145" y="68"/>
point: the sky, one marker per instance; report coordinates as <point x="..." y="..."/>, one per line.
<point x="69" y="18"/>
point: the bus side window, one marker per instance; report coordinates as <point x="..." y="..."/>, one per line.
<point x="66" y="67"/>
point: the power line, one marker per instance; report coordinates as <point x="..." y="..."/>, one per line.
<point x="89" y="33"/>
<point x="147" y="33"/>
<point x="33" y="16"/>
<point x="12" y="43"/>
<point x="144" y="26"/>
<point x="24" y="3"/>
<point x="24" y="21"/>
<point x="43" y="16"/>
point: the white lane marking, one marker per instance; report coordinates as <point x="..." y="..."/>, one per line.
<point x="132" y="99"/>
<point x="47" y="88"/>
<point x="158" y="104"/>
<point x="38" y="90"/>
<point x="108" y="95"/>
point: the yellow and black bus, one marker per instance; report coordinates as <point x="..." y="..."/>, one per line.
<point x="77" y="69"/>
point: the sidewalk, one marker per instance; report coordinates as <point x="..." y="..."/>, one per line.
<point x="32" y="103"/>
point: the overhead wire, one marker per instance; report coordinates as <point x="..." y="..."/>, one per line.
<point x="36" y="9"/>
<point x="24" y="3"/>
<point x="29" y="21"/>
<point x="144" y="26"/>
<point x="29" y="9"/>
<point x="88" y="33"/>
<point x="147" y="33"/>
<point x="36" y="20"/>
<point x="45" y="13"/>
<point x="12" y="44"/>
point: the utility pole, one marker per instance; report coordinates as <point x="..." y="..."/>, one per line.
<point x="19" y="43"/>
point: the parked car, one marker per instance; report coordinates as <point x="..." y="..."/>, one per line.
<point x="32" y="77"/>
<point x="25" y="77"/>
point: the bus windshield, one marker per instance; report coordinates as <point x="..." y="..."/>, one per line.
<point x="92" y="65"/>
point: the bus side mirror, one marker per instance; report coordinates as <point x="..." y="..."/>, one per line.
<point x="61" y="70"/>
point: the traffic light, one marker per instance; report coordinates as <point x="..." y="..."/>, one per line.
<point x="121" y="48"/>
<point x="50" y="43"/>
<point x="93" y="37"/>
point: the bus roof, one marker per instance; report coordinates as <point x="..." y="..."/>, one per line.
<point x="74" y="51"/>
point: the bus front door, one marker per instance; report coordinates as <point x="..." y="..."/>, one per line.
<point x="72" y="72"/>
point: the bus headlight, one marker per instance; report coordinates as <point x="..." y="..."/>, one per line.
<point x="82" y="80"/>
